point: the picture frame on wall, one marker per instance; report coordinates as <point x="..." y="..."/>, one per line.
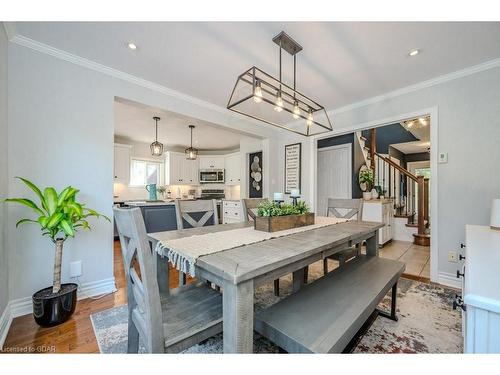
<point x="293" y="167"/>
<point x="255" y="183"/>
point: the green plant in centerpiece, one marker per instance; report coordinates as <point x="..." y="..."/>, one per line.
<point x="271" y="208"/>
<point x="59" y="217"/>
<point x="366" y="177"/>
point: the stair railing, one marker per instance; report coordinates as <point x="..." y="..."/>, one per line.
<point x="409" y="192"/>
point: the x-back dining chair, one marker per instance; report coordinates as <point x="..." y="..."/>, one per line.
<point x="250" y="206"/>
<point x="194" y="214"/>
<point x="349" y="208"/>
<point x="168" y="322"/>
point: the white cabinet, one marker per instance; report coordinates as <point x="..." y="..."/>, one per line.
<point x="179" y="170"/>
<point x="481" y="290"/>
<point x="232" y="212"/>
<point x="121" y="170"/>
<point x="380" y="210"/>
<point x="211" y="162"/>
<point x="233" y="165"/>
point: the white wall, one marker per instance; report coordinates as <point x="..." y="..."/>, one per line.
<point x="61" y="132"/>
<point x="469" y="131"/>
<point x="4" y="276"/>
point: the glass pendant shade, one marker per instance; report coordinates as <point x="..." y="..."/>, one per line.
<point x="191" y="152"/>
<point x="156" y="147"/>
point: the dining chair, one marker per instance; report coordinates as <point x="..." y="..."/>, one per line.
<point x="250" y="207"/>
<point x="348" y="209"/>
<point x="194" y="214"/>
<point x="168" y="322"/>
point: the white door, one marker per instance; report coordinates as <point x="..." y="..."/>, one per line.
<point x="334" y="175"/>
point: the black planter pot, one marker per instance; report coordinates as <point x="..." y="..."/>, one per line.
<point x="52" y="309"/>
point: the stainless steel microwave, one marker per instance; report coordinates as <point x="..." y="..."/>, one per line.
<point x="211" y="176"/>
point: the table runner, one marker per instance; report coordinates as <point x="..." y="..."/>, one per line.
<point x="183" y="252"/>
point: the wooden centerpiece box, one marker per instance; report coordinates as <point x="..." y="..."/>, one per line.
<point x="277" y="223"/>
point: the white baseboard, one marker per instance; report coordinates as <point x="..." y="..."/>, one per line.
<point x="5" y="322"/>
<point x="449" y="279"/>
<point x="23" y="306"/>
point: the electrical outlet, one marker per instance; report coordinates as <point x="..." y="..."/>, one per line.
<point x="443" y="157"/>
<point x="452" y="256"/>
<point x="75" y="269"/>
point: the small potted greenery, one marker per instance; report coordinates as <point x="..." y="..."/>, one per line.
<point x="59" y="217"/>
<point x="274" y="216"/>
<point x="366" y="182"/>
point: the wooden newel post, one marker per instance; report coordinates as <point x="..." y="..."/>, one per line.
<point x="421" y="204"/>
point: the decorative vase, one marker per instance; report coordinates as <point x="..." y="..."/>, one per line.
<point x="374" y="193"/>
<point x="367" y="195"/>
<point x="51" y="309"/>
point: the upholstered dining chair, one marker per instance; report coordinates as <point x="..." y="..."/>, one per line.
<point x="152" y="317"/>
<point x="348" y="209"/>
<point x="194" y="214"/>
<point x="249" y="207"/>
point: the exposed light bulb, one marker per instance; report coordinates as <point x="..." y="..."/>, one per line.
<point x="257" y="97"/>
<point x="310" y="118"/>
<point x="191" y="155"/>
<point x="410" y="124"/>
<point x="279" y="102"/>
<point x="296" y="111"/>
<point x="422" y="121"/>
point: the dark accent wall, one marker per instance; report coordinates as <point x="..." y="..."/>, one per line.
<point x="341" y="140"/>
<point x="389" y="135"/>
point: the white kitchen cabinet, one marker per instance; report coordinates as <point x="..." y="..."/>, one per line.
<point x="380" y="210"/>
<point x="232" y="212"/>
<point x="233" y="166"/>
<point x="121" y="170"/>
<point x="481" y="290"/>
<point x="211" y="162"/>
<point x="179" y="170"/>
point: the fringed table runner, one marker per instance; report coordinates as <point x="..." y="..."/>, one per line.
<point x="183" y="252"/>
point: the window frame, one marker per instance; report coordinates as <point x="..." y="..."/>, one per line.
<point x="159" y="162"/>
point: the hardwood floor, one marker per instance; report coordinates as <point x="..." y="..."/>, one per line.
<point x="76" y="335"/>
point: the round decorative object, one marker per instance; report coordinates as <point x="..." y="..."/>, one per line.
<point x="367" y="195"/>
<point x="257" y="187"/>
<point x="257" y="176"/>
<point x="254" y="167"/>
<point x="374" y="193"/>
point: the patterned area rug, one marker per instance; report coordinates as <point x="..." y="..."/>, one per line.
<point x="427" y="323"/>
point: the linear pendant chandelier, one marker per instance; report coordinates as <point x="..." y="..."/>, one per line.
<point x="260" y="96"/>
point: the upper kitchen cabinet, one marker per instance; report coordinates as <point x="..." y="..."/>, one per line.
<point x="233" y="166"/>
<point x="179" y="170"/>
<point x="122" y="163"/>
<point x="211" y="162"/>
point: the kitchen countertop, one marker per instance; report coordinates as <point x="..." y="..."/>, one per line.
<point x="155" y="203"/>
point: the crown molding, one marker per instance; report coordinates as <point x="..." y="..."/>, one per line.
<point x="75" y="59"/>
<point x="419" y="86"/>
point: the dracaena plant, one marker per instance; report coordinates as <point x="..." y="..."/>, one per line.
<point x="59" y="216"/>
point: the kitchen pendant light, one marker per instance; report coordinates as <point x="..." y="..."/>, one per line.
<point x="191" y="152"/>
<point x="156" y="147"/>
<point x="263" y="97"/>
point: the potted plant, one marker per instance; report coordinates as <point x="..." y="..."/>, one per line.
<point x="366" y="179"/>
<point x="59" y="217"/>
<point x="273" y="216"/>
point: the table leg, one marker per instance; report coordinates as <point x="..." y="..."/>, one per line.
<point x="372" y="245"/>
<point x="162" y="274"/>
<point x="237" y="303"/>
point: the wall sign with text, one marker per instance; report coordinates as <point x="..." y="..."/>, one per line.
<point x="292" y="167"/>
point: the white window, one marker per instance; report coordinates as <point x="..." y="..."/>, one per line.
<point x="144" y="172"/>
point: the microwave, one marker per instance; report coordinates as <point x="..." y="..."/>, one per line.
<point x="211" y="176"/>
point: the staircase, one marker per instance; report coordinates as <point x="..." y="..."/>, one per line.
<point x="410" y="193"/>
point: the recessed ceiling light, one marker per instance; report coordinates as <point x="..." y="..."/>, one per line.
<point x="413" y="52"/>
<point x="132" y="46"/>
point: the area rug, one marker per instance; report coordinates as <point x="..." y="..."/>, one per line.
<point x="427" y="323"/>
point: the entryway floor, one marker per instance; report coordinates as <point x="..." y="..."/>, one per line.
<point x="416" y="257"/>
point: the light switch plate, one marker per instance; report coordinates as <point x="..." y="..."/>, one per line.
<point x="443" y="157"/>
<point x="452" y="256"/>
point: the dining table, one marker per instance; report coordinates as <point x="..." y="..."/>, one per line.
<point x="239" y="270"/>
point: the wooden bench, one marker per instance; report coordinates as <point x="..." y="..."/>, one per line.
<point x="323" y="317"/>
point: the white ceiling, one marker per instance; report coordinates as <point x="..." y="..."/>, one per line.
<point x="341" y="63"/>
<point x="135" y="122"/>
<point x="412" y="147"/>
